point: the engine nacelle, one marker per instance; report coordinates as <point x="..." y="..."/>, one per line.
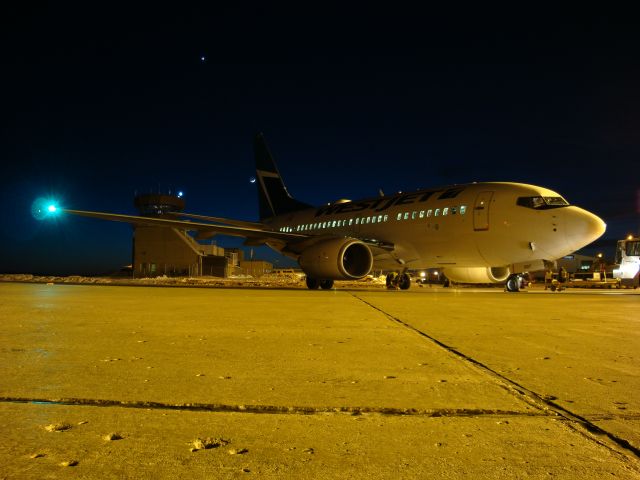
<point x="477" y="274"/>
<point x="337" y="259"/>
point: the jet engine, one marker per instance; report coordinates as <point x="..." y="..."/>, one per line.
<point x="477" y="274"/>
<point x="337" y="259"/>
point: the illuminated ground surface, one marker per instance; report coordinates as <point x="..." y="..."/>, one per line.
<point x="429" y="383"/>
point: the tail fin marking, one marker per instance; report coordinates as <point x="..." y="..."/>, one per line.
<point x="273" y="197"/>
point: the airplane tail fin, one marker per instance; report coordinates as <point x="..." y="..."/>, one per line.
<point x="273" y="197"/>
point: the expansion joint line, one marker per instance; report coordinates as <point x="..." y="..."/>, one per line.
<point x="540" y="402"/>
<point x="269" y="409"/>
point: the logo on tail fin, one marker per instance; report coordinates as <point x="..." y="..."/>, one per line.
<point x="261" y="174"/>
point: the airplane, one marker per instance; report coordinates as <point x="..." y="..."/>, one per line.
<point x="489" y="232"/>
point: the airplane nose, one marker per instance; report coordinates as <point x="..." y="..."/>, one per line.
<point x="582" y="227"/>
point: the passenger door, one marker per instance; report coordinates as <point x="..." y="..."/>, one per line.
<point x="481" y="211"/>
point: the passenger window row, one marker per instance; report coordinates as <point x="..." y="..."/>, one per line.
<point x="336" y="223"/>
<point x="462" y="209"/>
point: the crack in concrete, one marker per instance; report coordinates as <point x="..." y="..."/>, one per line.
<point x="273" y="409"/>
<point x="573" y="420"/>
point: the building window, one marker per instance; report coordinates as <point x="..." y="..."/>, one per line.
<point x="413" y="215"/>
<point x="429" y="212"/>
<point x="386" y="217"/>
<point x="437" y="212"/>
<point x="445" y="211"/>
<point x="399" y="217"/>
<point x="463" y="209"/>
<point x="406" y="215"/>
<point x="421" y="214"/>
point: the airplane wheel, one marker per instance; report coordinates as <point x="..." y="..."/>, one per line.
<point x="326" y="284"/>
<point x="313" y="283"/>
<point x="390" y="279"/>
<point x="405" y="281"/>
<point x="513" y="283"/>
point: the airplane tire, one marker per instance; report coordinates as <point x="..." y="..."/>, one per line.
<point x="326" y="284"/>
<point x="513" y="283"/>
<point x="313" y="283"/>
<point x="390" y="277"/>
<point x="405" y="282"/>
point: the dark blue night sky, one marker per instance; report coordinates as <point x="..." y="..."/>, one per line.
<point x="100" y="104"/>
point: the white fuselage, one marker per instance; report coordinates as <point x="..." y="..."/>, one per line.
<point x="474" y="225"/>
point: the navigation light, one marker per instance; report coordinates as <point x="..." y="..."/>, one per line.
<point x="43" y="208"/>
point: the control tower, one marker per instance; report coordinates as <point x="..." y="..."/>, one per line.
<point x="166" y="251"/>
<point x="158" y="204"/>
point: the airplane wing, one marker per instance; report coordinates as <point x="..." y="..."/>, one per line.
<point x="254" y="233"/>
<point x="221" y="220"/>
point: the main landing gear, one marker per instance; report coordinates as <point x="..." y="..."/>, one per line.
<point x="315" y="283"/>
<point x="398" y="280"/>
<point x="514" y="283"/>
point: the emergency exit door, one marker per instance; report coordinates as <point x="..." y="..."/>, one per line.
<point x="481" y="211"/>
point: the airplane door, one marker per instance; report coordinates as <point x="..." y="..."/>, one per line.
<point x="481" y="211"/>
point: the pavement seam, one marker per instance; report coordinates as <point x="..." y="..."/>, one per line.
<point x="574" y="421"/>
<point x="272" y="409"/>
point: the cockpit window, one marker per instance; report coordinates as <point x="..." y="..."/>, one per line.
<point x="542" y="203"/>
<point x="556" y="201"/>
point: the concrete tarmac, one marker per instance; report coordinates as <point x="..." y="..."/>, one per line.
<point x="158" y="382"/>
